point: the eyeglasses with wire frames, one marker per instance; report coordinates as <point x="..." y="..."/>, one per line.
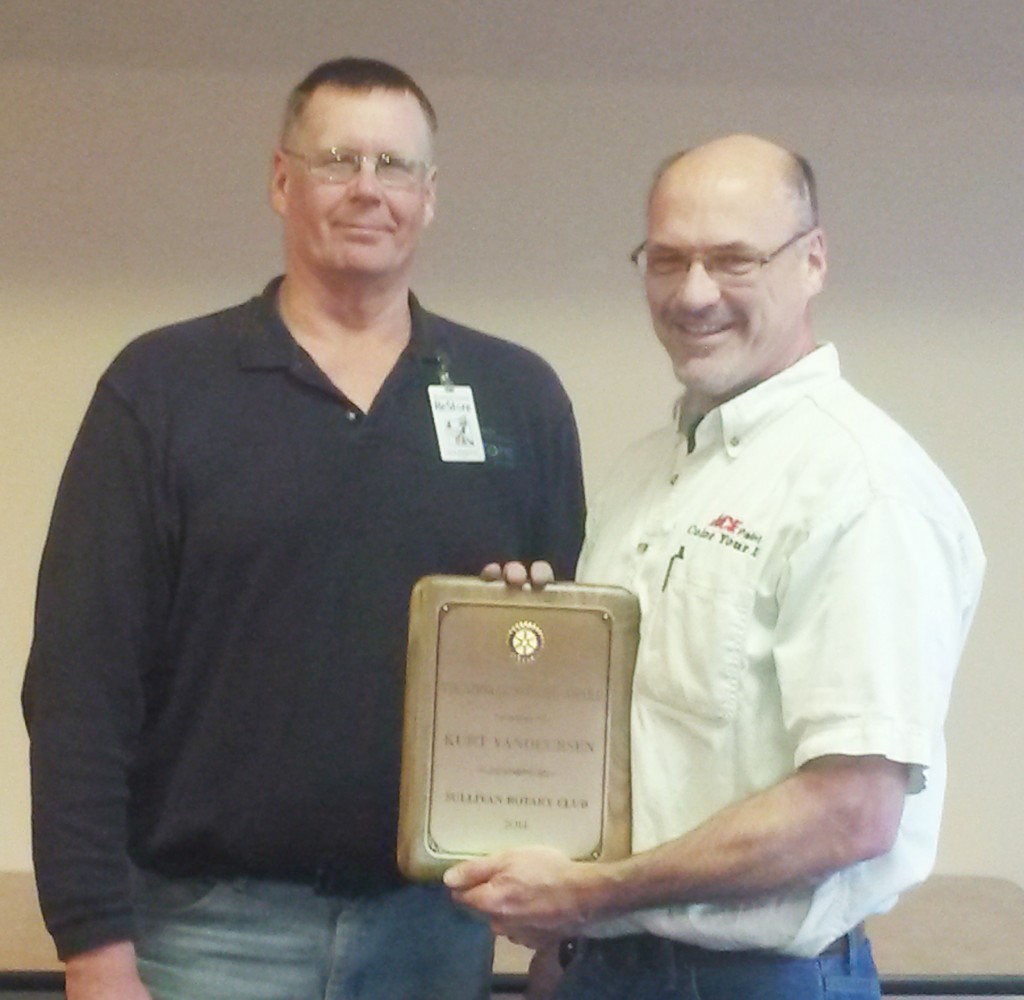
<point x="339" y="166"/>
<point x="721" y="264"/>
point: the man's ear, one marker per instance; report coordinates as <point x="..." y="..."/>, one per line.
<point x="430" y="199"/>
<point x="278" y="182"/>
<point x="816" y="262"/>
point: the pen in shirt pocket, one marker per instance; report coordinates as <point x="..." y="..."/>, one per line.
<point x="671" y="563"/>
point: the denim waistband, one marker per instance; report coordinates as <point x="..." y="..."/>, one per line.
<point x="642" y="949"/>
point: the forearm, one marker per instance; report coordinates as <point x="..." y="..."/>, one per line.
<point x="829" y="815"/>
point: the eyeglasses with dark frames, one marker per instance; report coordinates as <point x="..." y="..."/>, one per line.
<point x="721" y="264"/>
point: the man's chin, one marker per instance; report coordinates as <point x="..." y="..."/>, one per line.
<point x="367" y="265"/>
<point x="697" y="372"/>
<point x="703" y="380"/>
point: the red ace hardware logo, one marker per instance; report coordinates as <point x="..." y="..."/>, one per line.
<point x="726" y="523"/>
<point x="728" y="530"/>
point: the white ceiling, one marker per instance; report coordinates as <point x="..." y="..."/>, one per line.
<point x="954" y="45"/>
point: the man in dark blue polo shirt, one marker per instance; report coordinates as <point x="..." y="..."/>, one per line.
<point x="215" y="685"/>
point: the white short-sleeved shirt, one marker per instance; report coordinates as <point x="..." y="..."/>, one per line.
<point x="806" y="577"/>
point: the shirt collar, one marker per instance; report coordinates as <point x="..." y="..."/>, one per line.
<point x="735" y="420"/>
<point x="265" y="341"/>
<point x="267" y="344"/>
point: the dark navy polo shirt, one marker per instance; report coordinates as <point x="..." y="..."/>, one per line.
<point x="217" y="672"/>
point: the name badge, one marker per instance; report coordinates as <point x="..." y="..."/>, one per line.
<point x="455" y="421"/>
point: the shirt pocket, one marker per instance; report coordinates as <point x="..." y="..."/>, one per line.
<point x="695" y="640"/>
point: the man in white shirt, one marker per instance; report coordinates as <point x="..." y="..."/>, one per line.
<point x="807" y="577"/>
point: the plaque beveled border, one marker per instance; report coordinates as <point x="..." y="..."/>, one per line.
<point x="533" y="622"/>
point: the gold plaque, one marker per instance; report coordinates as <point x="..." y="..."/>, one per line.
<point x="516" y="721"/>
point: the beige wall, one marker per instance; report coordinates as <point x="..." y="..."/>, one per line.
<point x="134" y="141"/>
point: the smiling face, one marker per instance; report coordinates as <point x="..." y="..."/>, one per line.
<point x="733" y="195"/>
<point x="360" y="230"/>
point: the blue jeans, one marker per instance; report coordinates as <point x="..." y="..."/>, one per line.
<point x="649" y="968"/>
<point x="248" y="939"/>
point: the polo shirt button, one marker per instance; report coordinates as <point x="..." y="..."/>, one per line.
<point x="642" y="548"/>
<point x="734" y="442"/>
<point x="351" y="416"/>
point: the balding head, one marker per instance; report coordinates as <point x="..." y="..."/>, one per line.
<point x="792" y="170"/>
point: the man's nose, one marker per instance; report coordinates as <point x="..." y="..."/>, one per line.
<point x="365" y="182"/>
<point x="697" y="289"/>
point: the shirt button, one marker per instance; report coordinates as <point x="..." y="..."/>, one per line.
<point x="351" y="416"/>
<point x="642" y="548"/>
<point x="734" y="442"/>
<point x="674" y="479"/>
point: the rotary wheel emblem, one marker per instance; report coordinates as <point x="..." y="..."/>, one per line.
<point x="525" y="640"/>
